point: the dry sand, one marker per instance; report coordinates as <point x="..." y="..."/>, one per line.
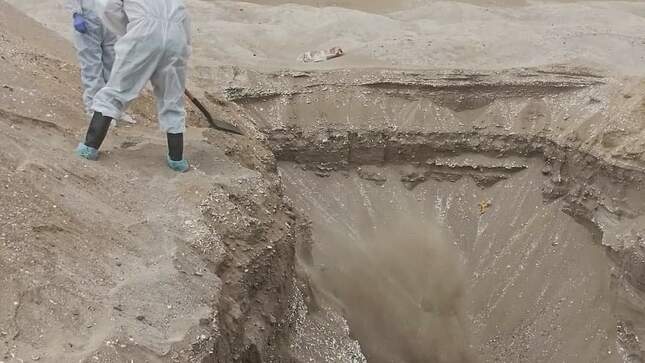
<point x="405" y="34"/>
<point x="233" y="40"/>
<point x="113" y="261"/>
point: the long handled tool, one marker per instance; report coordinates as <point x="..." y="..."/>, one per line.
<point x="216" y="124"/>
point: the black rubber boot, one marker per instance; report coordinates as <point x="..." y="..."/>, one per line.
<point x="97" y="131"/>
<point x="175" y="157"/>
<point x="176" y="147"/>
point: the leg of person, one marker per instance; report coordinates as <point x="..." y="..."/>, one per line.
<point x="90" y="55"/>
<point x="135" y="62"/>
<point x="175" y="146"/>
<point x="109" y="41"/>
<point x="96" y="133"/>
<point x="108" y="54"/>
<point x="89" y="52"/>
<point x="169" y="83"/>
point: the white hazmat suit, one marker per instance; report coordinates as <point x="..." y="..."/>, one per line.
<point x="95" y="50"/>
<point x="154" y="44"/>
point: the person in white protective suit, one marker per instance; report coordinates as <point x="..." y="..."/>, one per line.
<point x="153" y="45"/>
<point x="95" y="50"/>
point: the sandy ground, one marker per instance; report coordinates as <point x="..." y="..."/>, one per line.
<point x="478" y="34"/>
<point x="384" y="6"/>
<point x="117" y="261"/>
<point x="431" y="35"/>
<point x="152" y="290"/>
<point x="82" y="257"/>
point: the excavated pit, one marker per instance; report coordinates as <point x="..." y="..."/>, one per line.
<point x="453" y="271"/>
<point x="465" y="217"/>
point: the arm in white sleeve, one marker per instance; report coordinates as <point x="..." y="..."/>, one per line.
<point x="74" y="6"/>
<point x="113" y="15"/>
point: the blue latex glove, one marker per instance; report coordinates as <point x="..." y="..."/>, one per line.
<point x="79" y="23"/>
